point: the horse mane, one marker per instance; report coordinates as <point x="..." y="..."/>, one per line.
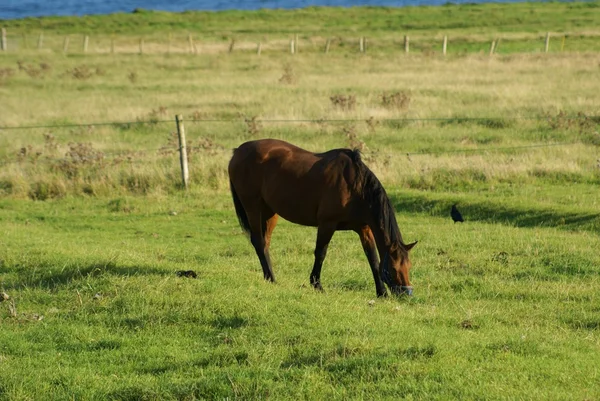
<point x="370" y="189"/>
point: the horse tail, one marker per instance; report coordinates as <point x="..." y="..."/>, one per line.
<point x="239" y="210"/>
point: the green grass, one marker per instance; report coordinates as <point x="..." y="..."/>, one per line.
<point x="501" y="310"/>
<point x="520" y="17"/>
<point x="94" y="223"/>
<point x="469" y="27"/>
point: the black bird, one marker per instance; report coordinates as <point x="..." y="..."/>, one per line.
<point x="186" y="273"/>
<point x="455" y="214"/>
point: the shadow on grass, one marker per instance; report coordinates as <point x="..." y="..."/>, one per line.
<point x="51" y="277"/>
<point x="497" y="213"/>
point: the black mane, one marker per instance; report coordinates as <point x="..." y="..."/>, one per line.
<point x="374" y="194"/>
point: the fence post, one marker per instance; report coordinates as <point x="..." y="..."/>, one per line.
<point x="4" y="45"/>
<point x="191" y="43"/>
<point x="231" y="45"/>
<point x="182" y="151"/>
<point x="86" y="41"/>
<point x="258" y="48"/>
<point x="292" y="46"/>
<point x="66" y="44"/>
<point x="406" y="44"/>
<point x="562" y="44"/>
<point x="547" y="42"/>
<point x="361" y="44"/>
<point x="327" y="45"/>
<point x="492" y="47"/>
<point x="444" y="45"/>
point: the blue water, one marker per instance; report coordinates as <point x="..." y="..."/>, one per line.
<point x="12" y="9"/>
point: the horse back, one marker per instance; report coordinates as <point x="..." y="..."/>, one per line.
<point x="301" y="186"/>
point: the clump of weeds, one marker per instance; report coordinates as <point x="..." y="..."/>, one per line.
<point x="154" y="116"/>
<point x="84" y="71"/>
<point x="6" y="74"/>
<point x="133" y="77"/>
<point x="372" y="124"/>
<point x="28" y="154"/>
<point x="289" y="76"/>
<point x="171" y="146"/>
<point x="79" y="156"/>
<point x="586" y="126"/>
<point x="253" y="125"/>
<point x="343" y="102"/>
<point x="353" y="141"/>
<point x="395" y="100"/>
<point x="33" y="71"/>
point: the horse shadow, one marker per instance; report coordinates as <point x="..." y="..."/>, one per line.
<point x="499" y="214"/>
<point x="50" y="277"/>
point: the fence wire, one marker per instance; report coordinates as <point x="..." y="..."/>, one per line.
<point x="315" y="121"/>
<point x="457" y="120"/>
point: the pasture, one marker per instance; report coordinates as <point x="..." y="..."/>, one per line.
<point x="94" y="225"/>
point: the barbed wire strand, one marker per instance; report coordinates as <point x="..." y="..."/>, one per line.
<point x="316" y="121"/>
<point x="175" y="149"/>
<point x="499" y="149"/>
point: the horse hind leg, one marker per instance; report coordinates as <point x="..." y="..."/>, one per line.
<point x="324" y="235"/>
<point x="261" y="228"/>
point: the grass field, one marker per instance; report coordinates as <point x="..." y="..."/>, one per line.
<point x="470" y="28"/>
<point x="94" y="223"/>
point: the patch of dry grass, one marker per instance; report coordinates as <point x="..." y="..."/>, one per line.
<point x="388" y="107"/>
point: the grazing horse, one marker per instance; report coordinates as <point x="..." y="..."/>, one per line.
<point x="332" y="191"/>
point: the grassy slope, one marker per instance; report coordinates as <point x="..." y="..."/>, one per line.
<point x="505" y="306"/>
<point x="470" y="28"/>
<point x="520" y="17"/>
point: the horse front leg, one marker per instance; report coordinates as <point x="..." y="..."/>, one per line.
<point x="369" y="247"/>
<point x="324" y="235"/>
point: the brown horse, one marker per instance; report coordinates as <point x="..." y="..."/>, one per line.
<point x="332" y="191"/>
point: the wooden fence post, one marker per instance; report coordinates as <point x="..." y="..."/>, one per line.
<point x="258" y="48"/>
<point x="327" y="45"/>
<point x="547" y="42"/>
<point x="86" y="41"/>
<point x="292" y="47"/>
<point x="191" y="43"/>
<point x="361" y="44"/>
<point x="444" y="45"/>
<point x="406" y="44"/>
<point x="562" y="45"/>
<point x="492" y="47"/>
<point x="66" y="44"/>
<point x="231" y="45"/>
<point x="185" y="177"/>
<point x="4" y="45"/>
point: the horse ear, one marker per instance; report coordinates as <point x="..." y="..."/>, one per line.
<point x="410" y="246"/>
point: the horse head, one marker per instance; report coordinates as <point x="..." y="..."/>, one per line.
<point x="395" y="269"/>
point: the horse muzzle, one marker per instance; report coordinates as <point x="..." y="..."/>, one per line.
<point x="406" y="290"/>
<point x="402" y="290"/>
